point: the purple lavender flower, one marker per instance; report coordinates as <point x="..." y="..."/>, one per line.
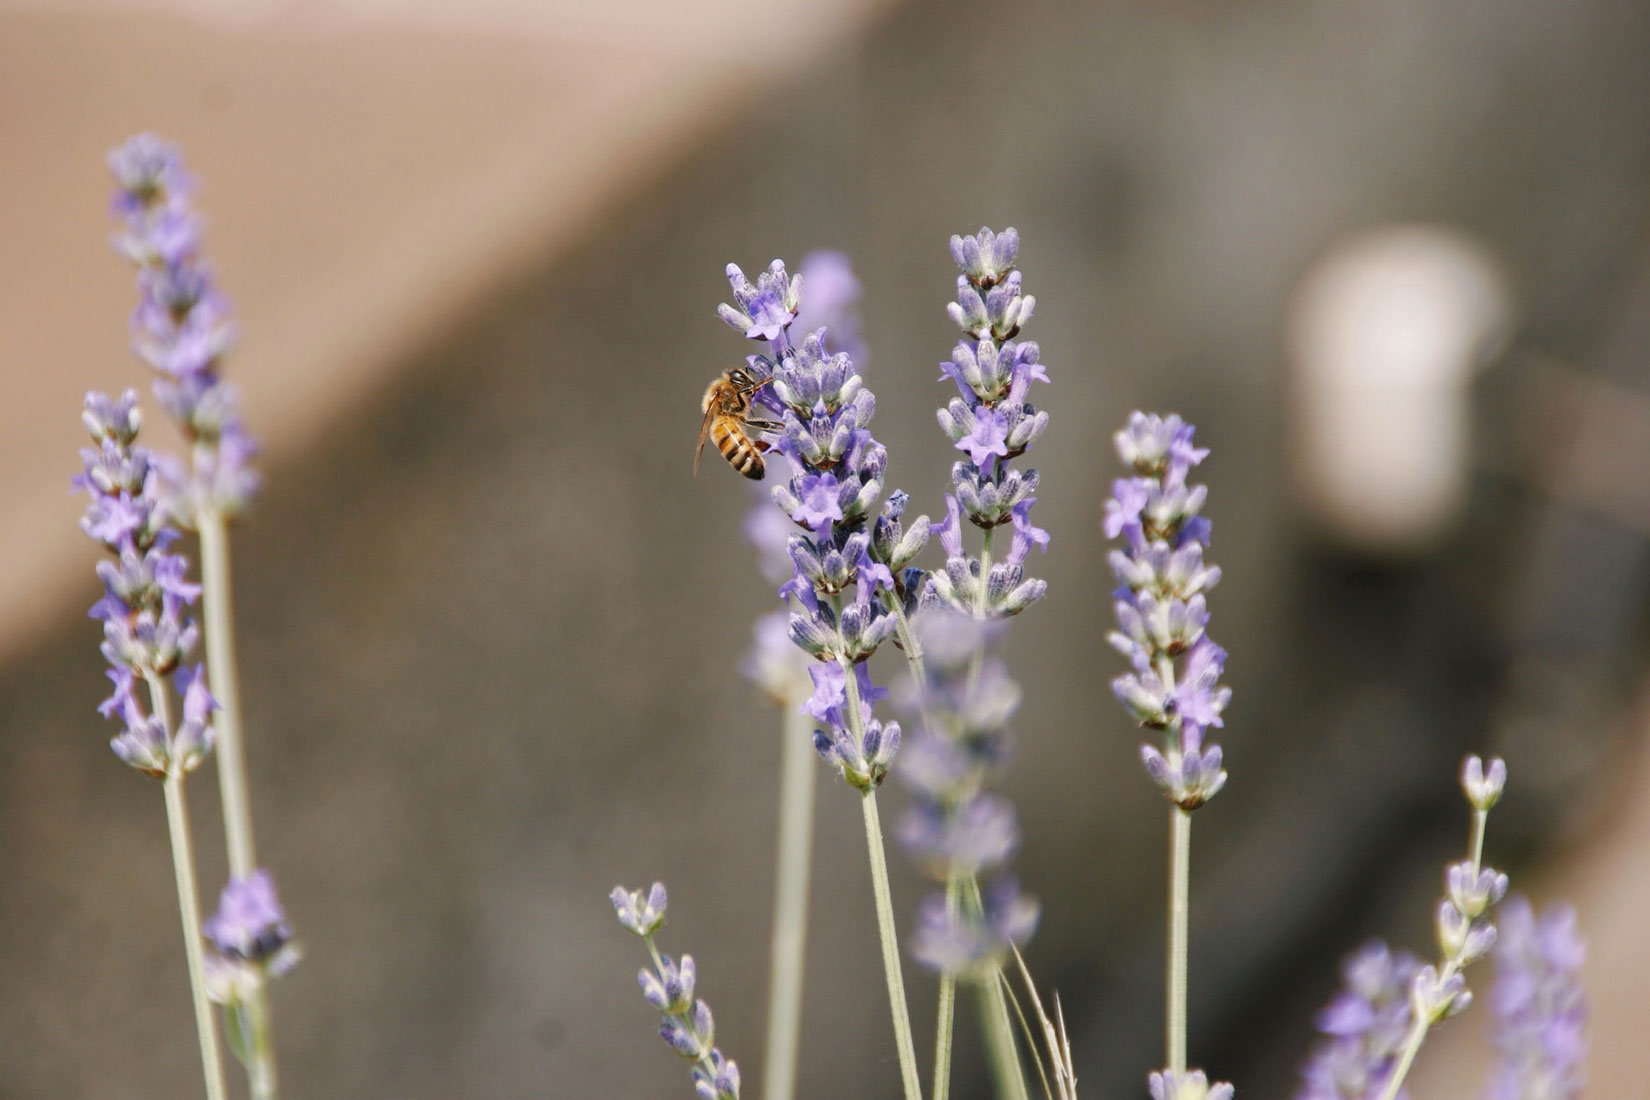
<point x="250" y="923"/>
<point x="992" y="423"/>
<point x="1540" y="1007"/>
<point x="1364" y="1027"/>
<point x="147" y="628"/>
<point x="1174" y="680"/>
<point x="846" y="579"/>
<point x="251" y="942"/>
<point x="686" y="1024"/>
<point x="182" y="326"/>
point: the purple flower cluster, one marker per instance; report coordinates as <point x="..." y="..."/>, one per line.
<point x="250" y="937"/>
<point x="1173" y="685"/>
<point x="147" y="628"/>
<point x="993" y="423"/>
<point x="1364" y="1027"/>
<point x="836" y="475"/>
<point x="1540" y="1008"/>
<point x="955" y="828"/>
<point x="181" y="327"/>
<point x="668" y="986"/>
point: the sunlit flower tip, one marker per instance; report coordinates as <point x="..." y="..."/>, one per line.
<point x="972" y="946"/>
<point x="720" y="1082"/>
<point x="766" y="307"/>
<point x="986" y="257"/>
<point x="1539" y="1004"/>
<point x="642" y="915"/>
<point x="1191" y="1085"/>
<point x="250" y="924"/>
<point x="112" y="419"/>
<point x="1481" y="783"/>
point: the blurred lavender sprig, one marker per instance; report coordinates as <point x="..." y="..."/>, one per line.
<point x="181" y="327"/>
<point x="956" y="829"/>
<point x="686" y="1024"/>
<point x="1364" y="1027"/>
<point x="1539" y="1004"/>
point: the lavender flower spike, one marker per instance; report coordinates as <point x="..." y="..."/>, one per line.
<point x="1173" y="685"/>
<point x="992" y="422"/>
<point x="251" y="939"/>
<point x="686" y="1024"/>
<point x="1540" y="1008"/>
<point x="181" y="327"/>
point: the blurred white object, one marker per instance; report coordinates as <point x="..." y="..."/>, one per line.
<point x="1384" y="334"/>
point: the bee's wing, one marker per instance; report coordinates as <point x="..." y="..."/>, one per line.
<point x="704" y="434"/>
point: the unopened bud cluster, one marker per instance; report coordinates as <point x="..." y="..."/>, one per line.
<point x="686" y="1024"/>
<point x="250" y="938"/>
<point x="1173" y="685"/>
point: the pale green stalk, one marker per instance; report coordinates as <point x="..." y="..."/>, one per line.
<point x="183" y="870"/>
<point x="1418" y="1029"/>
<point x="946" y="1015"/>
<point x="217" y="608"/>
<point x="890" y="946"/>
<point x="1180" y="860"/>
<point x="790" y="903"/>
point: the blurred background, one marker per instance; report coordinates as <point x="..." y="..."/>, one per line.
<point x="1391" y="258"/>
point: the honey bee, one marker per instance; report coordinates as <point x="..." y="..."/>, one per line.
<point x="728" y="422"/>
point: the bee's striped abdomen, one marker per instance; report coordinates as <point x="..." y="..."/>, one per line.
<point x="736" y="447"/>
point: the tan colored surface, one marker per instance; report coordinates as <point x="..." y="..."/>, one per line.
<point x="365" y="179"/>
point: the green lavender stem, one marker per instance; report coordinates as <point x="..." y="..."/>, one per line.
<point x="890" y="939"/>
<point x="1180" y="860"/>
<point x="790" y="903"/>
<point x="946" y="1015"/>
<point x="183" y="869"/>
<point x="224" y="677"/>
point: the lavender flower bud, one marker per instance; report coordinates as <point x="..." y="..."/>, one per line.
<point x="643" y="916"/>
<point x="1473" y="893"/>
<point x="973" y="946"/>
<point x="1483" y="786"/>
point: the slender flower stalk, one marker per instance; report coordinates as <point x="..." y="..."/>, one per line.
<point x="1173" y="685"/>
<point x="181" y="327"/>
<point x="1465" y="933"/>
<point x="147" y="634"/>
<point x="686" y="1023"/>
